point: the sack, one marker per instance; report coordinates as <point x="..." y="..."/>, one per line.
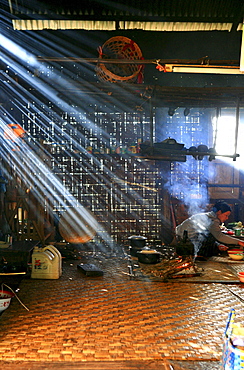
<point x="233" y="356"/>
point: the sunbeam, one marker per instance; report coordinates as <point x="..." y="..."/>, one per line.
<point x="55" y="129"/>
<point x="46" y="184"/>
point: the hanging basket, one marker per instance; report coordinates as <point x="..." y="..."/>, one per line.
<point x="119" y="47"/>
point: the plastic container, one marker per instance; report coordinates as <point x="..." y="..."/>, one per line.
<point x="236" y="255"/>
<point x="5" y="299"/>
<point x="241" y="277"/>
<point x="46" y="263"/>
<point x="233" y="355"/>
<point x="237" y="231"/>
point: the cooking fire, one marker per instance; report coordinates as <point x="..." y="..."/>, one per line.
<point x="170" y="268"/>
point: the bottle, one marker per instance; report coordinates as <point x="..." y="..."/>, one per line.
<point x="185" y="236"/>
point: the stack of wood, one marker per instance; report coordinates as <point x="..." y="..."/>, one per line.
<point x="168" y="268"/>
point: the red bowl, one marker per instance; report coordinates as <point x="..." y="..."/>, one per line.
<point x="241" y="273"/>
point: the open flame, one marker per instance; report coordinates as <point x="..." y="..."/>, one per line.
<point x="185" y="265"/>
<point x="170" y="268"/>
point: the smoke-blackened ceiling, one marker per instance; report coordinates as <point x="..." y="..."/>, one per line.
<point x="165" y="30"/>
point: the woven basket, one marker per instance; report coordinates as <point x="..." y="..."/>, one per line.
<point x="119" y="47"/>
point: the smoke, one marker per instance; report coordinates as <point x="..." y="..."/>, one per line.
<point x="189" y="190"/>
<point x="187" y="181"/>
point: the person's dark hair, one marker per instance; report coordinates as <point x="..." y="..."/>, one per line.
<point x="222" y="206"/>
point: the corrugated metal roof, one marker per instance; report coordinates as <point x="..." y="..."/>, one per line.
<point x="157" y="15"/>
<point x="55" y="24"/>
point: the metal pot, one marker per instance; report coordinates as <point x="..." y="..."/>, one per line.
<point x="149" y="256"/>
<point x="169" y="144"/>
<point x="137" y="241"/>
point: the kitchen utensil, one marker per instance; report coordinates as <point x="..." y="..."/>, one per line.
<point x="5" y="299"/>
<point x="237" y="256"/>
<point x="169" y="144"/>
<point x="137" y="243"/>
<point x="149" y="256"/>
